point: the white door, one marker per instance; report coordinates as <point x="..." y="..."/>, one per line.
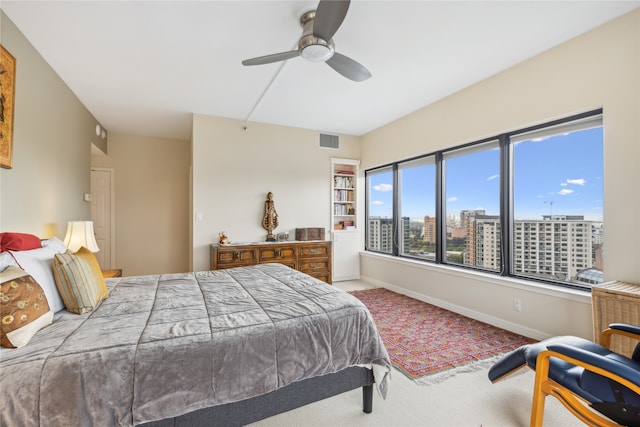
<point x="102" y="215"/>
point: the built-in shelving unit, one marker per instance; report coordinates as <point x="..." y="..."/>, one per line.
<point x="344" y="173"/>
<point x="344" y="208"/>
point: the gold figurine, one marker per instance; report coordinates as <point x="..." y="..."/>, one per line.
<point x="270" y="219"/>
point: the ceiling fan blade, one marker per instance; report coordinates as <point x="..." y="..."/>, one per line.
<point x="329" y="17"/>
<point x="348" y="67"/>
<point x="268" y="59"/>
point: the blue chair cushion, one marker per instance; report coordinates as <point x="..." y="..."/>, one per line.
<point x="606" y="396"/>
<point x="527" y="354"/>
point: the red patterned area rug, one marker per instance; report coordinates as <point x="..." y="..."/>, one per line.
<point x="428" y="343"/>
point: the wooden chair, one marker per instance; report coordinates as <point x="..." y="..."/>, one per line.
<point x="599" y="386"/>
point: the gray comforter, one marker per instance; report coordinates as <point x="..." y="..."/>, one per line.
<point x="162" y="346"/>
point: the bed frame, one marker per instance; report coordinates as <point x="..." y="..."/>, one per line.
<point x="284" y="399"/>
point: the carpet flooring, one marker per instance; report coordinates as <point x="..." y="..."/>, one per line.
<point x="428" y="343"/>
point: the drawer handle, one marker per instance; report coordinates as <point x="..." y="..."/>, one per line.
<point x="313" y="265"/>
<point x="314" y="251"/>
<point x="236" y="255"/>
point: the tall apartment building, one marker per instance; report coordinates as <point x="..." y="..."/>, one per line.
<point x="557" y="247"/>
<point x="429" y="229"/>
<point x="554" y="247"/>
<point x="380" y="234"/>
<point x="483" y="241"/>
<point x="467" y="215"/>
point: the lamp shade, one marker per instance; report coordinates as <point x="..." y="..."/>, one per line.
<point x="80" y="233"/>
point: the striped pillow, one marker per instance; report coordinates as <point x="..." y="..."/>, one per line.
<point x="80" y="285"/>
<point x="90" y="258"/>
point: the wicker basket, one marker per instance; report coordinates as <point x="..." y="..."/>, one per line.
<point x="616" y="302"/>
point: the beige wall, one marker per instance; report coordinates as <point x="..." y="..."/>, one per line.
<point x="151" y="203"/>
<point x="52" y="138"/>
<point x="234" y="169"/>
<point x="598" y="69"/>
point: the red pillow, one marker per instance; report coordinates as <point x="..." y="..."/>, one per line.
<point x="19" y="242"/>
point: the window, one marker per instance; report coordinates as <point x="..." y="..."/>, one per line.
<point x="472" y="206"/>
<point x="557" y="187"/>
<point x="417" y="189"/>
<point x="525" y="203"/>
<point x="380" y="229"/>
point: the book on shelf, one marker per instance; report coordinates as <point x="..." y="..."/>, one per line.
<point x="345" y="172"/>
<point x="343" y="196"/>
<point x="343" y="209"/>
<point x="343" y="182"/>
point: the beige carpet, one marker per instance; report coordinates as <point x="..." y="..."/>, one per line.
<point x="467" y="399"/>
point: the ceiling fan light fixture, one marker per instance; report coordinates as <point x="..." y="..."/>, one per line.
<point x="315" y="49"/>
<point x="316" y="53"/>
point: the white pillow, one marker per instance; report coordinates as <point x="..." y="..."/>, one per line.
<point x="39" y="264"/>
<point x="55" y="244"/>
<point x="6" y="260"/>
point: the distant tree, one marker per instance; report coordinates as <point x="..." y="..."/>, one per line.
<point x="457" y="258"/>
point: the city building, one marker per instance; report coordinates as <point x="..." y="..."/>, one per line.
<point x="429" y="229"/>
<point x="557" y="247"/>
<point x="380" y="234"/>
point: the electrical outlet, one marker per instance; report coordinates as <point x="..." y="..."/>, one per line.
<point x="517" y="304"/>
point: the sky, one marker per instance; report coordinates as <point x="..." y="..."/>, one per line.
<point x="559" y="175"/>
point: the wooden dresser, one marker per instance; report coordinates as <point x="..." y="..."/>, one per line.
<point x="311" y="257"/>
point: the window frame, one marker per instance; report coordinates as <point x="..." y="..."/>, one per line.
<point x="376" y="170"/>
<point x="470" y="148"/>
<point x="505" y="142"/>
<point x="430" y="160"/>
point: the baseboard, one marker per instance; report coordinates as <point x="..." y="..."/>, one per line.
<point x="345" y="278"/>
<point x="477" y="315"/>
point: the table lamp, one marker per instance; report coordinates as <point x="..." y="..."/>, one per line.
<point x="80" y="233"/>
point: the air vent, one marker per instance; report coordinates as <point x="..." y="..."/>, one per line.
<point x="329" y="141"/>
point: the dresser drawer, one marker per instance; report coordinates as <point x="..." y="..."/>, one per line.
<point x="314" y="265"/>
<point x="315" y="250"/>
<point x="278" y="254"/>
<point x="228" y="258"/>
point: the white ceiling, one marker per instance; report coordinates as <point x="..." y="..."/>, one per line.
<point x="142" y="67"/>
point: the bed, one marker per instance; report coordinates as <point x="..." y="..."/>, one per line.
<point x="224" y="347"/>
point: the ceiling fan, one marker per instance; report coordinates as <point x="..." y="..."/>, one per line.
<point x="316" y="43"/>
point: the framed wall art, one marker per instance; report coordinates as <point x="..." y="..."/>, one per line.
<point x="7" y="88"/>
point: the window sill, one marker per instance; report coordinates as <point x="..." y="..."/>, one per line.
<point x="507" y="282"/>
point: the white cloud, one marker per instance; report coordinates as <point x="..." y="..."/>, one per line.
<point x="452" y="199"/>
<point x="563" y="184"/>
<point x="540" y="139"/>
<point x="578" y="181"/>
<point x="565" y="192"/>
<point x="383" y="187"/>
<point x="492" y="177"/>
<point x="377" y="202"/>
